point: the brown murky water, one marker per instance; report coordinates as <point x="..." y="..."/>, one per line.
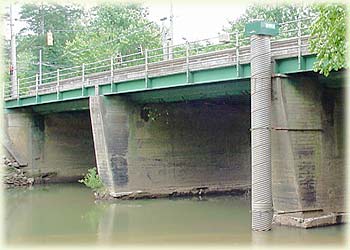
<point x="67" y="214"/>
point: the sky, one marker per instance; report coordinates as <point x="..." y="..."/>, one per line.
<point x="196" y="21"/>
<point x="191" y="21"/>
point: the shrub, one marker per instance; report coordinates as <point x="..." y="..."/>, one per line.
<point x="92" y="180"/>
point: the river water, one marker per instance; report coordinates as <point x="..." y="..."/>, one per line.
<point x="67" y="214"/>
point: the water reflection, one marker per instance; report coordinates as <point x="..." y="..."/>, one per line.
<point x="169" y="220"/>
<point x="67" y="214"/>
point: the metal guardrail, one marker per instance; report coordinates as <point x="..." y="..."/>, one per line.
<point x="216" y="51"/>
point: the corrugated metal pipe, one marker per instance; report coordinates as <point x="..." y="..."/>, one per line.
<point x="260" y="132"/>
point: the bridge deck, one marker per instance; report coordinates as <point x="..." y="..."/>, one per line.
<point x="211" y="67"/>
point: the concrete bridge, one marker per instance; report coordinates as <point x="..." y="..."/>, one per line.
<point x="159" y="127"/>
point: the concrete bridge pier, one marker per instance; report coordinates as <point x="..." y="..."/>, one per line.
<point x="168" y="149"/>
<point x="110" y="126"/>
<point x="308" y="168"/>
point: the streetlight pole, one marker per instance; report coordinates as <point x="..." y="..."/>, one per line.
<point x="164" y="40"/>
<point x="171" y="31"/>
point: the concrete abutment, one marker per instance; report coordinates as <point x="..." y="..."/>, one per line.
<point x="57" y="147"/>
<point x="308" y="166"/>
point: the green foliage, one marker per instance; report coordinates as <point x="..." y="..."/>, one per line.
<point x="6" y="62"/>
<point x="92" y="180"/>
<point x="118" y="28"/>
<point x="81" y="36"/>
<point x="273" y="13"/>
<point x="55" y="17"/>
<point x="61" y="20"/>
<point x="328" y="30"/>
<point x="329" y="42"/>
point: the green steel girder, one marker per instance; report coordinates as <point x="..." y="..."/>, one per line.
<point x="55" y="107"/>
<point x="292" y="65"/>
<point x="238" y="88"/>
<point x="214" y="76"/>
<point x="213" y="81"/>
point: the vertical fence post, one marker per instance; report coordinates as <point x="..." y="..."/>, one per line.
<point x="83" y="73"/>
<point x="82" y="89"/>
<point x="4" y="90"/>
<point x="58" y="84"/>
<point x="237" y="54"/>
<point x="146" y="68"/>
<point x="82" y="78"/>
<point x="40" y="66"/>
<point x="187" y="62"/>
<point x="112" y="74"/>
<point x="299" y="44"/>
<point x="97" y="90"/>
<point x="36" y="87"/>
<point x="18" y="90"/>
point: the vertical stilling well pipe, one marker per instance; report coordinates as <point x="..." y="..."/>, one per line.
<point x="261" y="70"/>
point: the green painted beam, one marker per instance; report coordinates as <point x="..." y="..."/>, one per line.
<point x="194" y="92"/>
<point x="63" y="106"/>
<point x="11" y="104"/>
<point x="167" y="81"/>
<point x="220" y="81"/>
<point x="291" y="65"/>
<point x="155" y="83"/>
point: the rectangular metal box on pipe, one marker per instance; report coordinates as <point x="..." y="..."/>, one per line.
<point x="261" y="28"/>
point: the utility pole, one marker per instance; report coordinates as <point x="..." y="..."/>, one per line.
<point x="171" y="31"/>
<point x="164" y="39"/>
<point x="41" y="46"/>
<point x="13" y="67"/>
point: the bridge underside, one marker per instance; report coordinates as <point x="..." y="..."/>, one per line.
<point x="172" y="147"/>
<point x="186" y="139"/>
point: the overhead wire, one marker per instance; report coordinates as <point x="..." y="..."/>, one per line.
<point x="101" y="44"/>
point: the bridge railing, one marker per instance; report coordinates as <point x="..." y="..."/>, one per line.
<point x="183" y="57"/>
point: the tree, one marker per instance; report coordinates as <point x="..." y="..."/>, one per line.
<point x="61" y="20"/>
<point x="328" y="38"/>
<point x="273" y="13"/>
<point x="327" y="30"/>
<point x="6" y="52"/>
<point x="118" y="28"/>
